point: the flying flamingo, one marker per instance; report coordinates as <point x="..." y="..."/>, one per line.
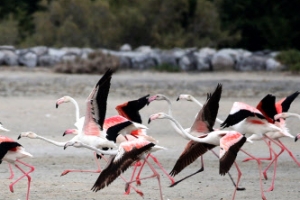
<point x="130" y="110"/>
<point x="269" y="108"/>
<point x="9" y="165"/>
<point x="129" y="152"/>
<point x="231" y="144"/>
<point x="193" y="149"/>
<point x="12" y="152"/>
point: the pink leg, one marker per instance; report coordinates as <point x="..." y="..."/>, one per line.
<point x="268" y="158"/>
<point x="228" y="173"/>
<point x="161" y="167"/>
<point x="136" y="165"/>
<point x="11" y="172"/>
<point x="274" y="160"/>
<point x="238" y="179"/>
<point x="290" y="153"/>
<point x="98" y="170"/>
<point x="24" y="174"/>
<point x="260" y="175"/>
<point x="155" y="174"/>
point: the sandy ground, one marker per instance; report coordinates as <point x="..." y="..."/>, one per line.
<point x="28" y="103"/>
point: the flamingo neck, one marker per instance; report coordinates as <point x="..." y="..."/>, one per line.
<point x="76" y="108"/>
<point x="59" y="144"/>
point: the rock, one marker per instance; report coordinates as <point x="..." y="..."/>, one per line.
<point x="223" y="60"/>
<point x="28" y="59"/>
<point x="39" y="50"/>
<point x="252" y="63"/>
<point x="72" y="51"/>
<point x="125" y="47"/>
<point x="48" y="60"/>
<point x="56" y="52"/>
<point x="10" y="58"/>
<point x="7" y="47"/>
<point x="273" y="65"/>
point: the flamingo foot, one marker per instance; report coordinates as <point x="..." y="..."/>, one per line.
<point x="11" y="188"/>
<point x="172" y="180"/>
<point x="248" y="159"/>
<point x="265" y="175"/>
<point x="270" y="189"/>
<point x="127" y="192"/>
<point x="138" y="182"/>
<point x="65" y="172"/>
<point x="140" y="193"/>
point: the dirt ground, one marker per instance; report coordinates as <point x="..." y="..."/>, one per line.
<point x="28" y="103"/>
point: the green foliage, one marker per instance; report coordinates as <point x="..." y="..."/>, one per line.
<point x="263" y="24"/>
<point x="166" y="68"/>
<point x="9" y="31"/>
<point x="96" y="63"/>
<point x="291" y="59"/>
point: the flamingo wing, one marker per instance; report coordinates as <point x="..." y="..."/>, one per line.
<point x="120" y="163"/>
<point x="230" y="145"/>
<point x="130" y="109"/>
<point x="239" y="116"/>
<point x="206" y="117"/>
<point x="96" y="105"/>
<point x="5" y="146"/>
<point x="113" y="131"/>
<point x="284" y="104"/>
<point x="267" y="107"/>
<point x="191" y="152"/>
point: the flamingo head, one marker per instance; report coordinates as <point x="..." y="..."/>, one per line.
<point x="71" y="131"/>
<point x="280" y="115"/>
<point x="76" y="144"/>
<point x="64" y="99"/>
<point x="155" y="116"/>
<point x="2" y="128"/>
<point x="186" y="97"/>
<point x="158" y="97"/>
<point x="28" y="134"/>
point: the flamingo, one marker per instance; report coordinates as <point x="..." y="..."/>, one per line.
<point x="269" y="109"/>
<point x="129" y="151"/>
<point x="130" y="110"/>
<point x="9" y="165"/>
<point x="79" y="121"/>
<point x="231" y="144"/>
<point x="12" y="152"/>
<point x="193" y="149"/>
<point x="189" y="97"/>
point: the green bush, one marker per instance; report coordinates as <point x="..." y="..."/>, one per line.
<point x="166" y="68"/>
<point x="291" y="59"/>
<point x="96" y="63"/>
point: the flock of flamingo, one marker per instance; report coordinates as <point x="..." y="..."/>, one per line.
<point x="122" y="140"/>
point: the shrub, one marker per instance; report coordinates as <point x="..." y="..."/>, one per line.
<point x="96" y="63"/>
<point x="291" y="59"/>
<point x="167" y="68"/>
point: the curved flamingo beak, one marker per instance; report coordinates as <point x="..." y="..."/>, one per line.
<point x="152" y="98"/>
<point x="68" y="144"/>
<point x="296" y="138"/>
<point x="69" y="131"/>
<point x="178" y="98"/>
<point x="58" y="102"/>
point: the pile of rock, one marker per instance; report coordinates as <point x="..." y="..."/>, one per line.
<point x="145" y="57"/>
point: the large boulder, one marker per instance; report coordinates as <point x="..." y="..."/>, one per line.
<point x="10" y="58"/>
<point x="28" y="59"/>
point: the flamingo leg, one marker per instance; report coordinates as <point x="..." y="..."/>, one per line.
<point x="136" y="165"/>
<point x="238" y="179"/>
<point x="24" y="174"/>
<point x="155" y="174"/>
<point x="274" y="160"/>
<point x="268" y="158"/>
<point x="260" y="174"/>
<point x="289" y="152"/>
<point x="200" y="170"/>
<point x="11" y="172"/>
<point x="235" y="185"/>
<point x="161" y="167"/>
<point x="98" y="170"/>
